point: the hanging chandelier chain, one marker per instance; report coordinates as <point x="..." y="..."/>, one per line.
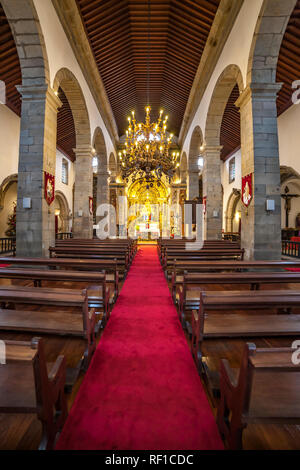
<point x="146" y="155"/>
<point x="149" y="52"/>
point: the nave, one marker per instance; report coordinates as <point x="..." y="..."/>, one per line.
<point x="142" y="389"/>
<point x="141" y="371"/>
<point x="149" y="224"/>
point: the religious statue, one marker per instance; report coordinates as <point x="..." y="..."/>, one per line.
<point x="246" y="195"/>
<point x="288" y="203"/>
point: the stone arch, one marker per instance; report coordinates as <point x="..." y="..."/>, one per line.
<point x="193" y="168"/>
<point x="8" y="197"/>
<point x="100" y="148"/>
<point x="290" y="178"/>
<point x="183" y="168"/>
<point x="102" y="190"/>
<point x="232" y="203"/>
<point x="194" y="152"/>
<point x="288" y="173"/>
<point x="6" y="183"/>
<point x="67" y="81"/>
<point x="270" y="28"/>
<point x="65" y="213"/>
<point x="83" y="218"/>
<point x="112" y="167"/>
<point x="228" y="79"/>
<point x="27" y="32"/>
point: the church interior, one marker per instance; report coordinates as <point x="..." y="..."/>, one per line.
<point x="149" y="225"/>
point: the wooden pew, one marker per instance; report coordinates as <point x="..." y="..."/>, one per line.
<point x="188" y="294"/>
<point x="218" y="324"/>
<point x="99" y="245"/>
<point x="102" y="300"/>
<point x="198" y="266"/>
<point x="110" y="267"/>
<point x="95" y="253"/>
<point x="131" y="245"/>
<point x="26" y="386"/>
<point x="50" y="322"/>
<point x="207" y="245"/>
<point x="201" y="255"/>
<point x="266" y="390"/>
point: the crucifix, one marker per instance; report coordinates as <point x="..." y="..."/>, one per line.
<point x="288" y="200"/>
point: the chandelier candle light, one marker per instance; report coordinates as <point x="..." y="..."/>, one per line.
<point x="146" y="154"/>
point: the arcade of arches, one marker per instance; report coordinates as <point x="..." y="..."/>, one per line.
<point x="227" y="74"/>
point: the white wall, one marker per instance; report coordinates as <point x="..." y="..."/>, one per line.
<point x="289" y="138"/>
<point x="237" y="184"/>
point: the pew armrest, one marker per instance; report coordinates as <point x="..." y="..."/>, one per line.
<point x="116" y="284"/>
<point x="228" y="376"/>
<point x="58" y="370"/>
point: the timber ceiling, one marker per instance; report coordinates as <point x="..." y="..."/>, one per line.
<point x="118" y="33"/>
<point x="66" y="137"/>
<point x="230" y="129"/>
<point x="10" y="71"/>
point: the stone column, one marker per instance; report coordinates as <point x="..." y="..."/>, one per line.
<point x="83" y="219"/>
<point x="102" y="186"/>
<point x="261" y="231"/>
<point x="212" y="190"/>
<point x="36" y="224"/>
<point x="193" y="184"/>
<point x="102" y="189"/>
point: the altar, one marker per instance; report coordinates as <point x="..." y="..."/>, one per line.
<point x="148" y="231"/>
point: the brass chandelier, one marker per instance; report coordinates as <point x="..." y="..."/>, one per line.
<point x="146" y="154"/>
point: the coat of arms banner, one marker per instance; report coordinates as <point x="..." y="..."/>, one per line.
<point x="247" y="190"/>
<point x="49" y="188"/>
<point x="204" y="202"/>
<point x="91" y="205"/>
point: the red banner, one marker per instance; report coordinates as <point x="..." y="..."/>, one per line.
<point x="204" y="204"/>
<point x="247" y="190"/>
<point x="49" y="188"/>
<point x="91" y="205"/>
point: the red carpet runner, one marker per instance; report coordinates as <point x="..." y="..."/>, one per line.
<point x="142" y="390"/>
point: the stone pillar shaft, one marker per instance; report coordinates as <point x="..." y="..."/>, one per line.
<point x="261" y="231"/>
<point x="193" y="184"/>
<point x="36" y="225"/>
<point x="102" y="187"/>
<point x="83" y="219"/>
<point x="212" y="190"/>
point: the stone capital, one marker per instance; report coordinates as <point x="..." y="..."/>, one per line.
<point x="216" y="149"/>
<point x="259" y="91"/>
<point x="40" y="93"/>
<point x="83" y="151"/>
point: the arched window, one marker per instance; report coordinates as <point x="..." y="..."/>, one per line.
<point x="65" y="171"/>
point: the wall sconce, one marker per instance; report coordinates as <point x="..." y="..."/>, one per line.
<point x="27" y="203"/>
<point x="270" y="205"/>
<point x="237" y="216"/>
